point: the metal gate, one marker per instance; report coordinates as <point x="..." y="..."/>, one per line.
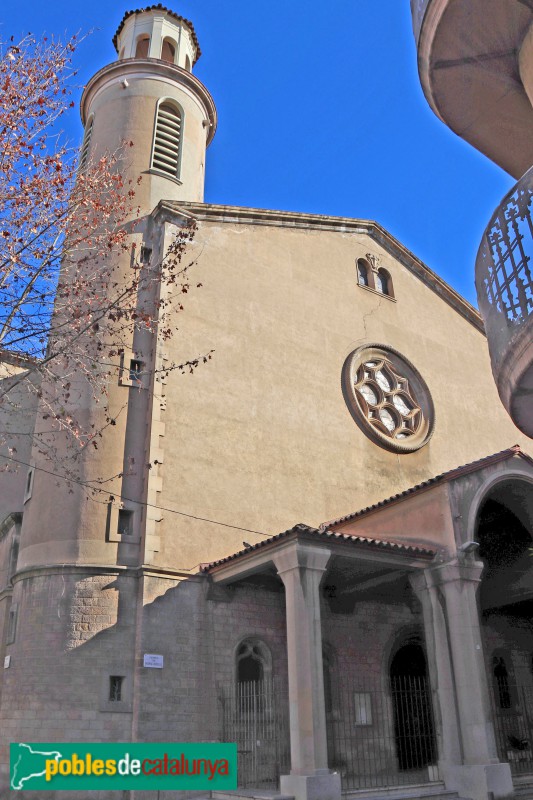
<point x="382" y="736"/>
<point x="255" y="715"/>
<point x="514" y="728"/>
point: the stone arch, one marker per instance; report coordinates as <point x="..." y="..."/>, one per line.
<point x="414" y="730"/>
<point x="142" y="46"/>
<point x="483" y="491"/>
<point x="364" y="273"/>
<point x="168" y="50"/>
<point x="252" y="661"/>
<point x="502" y="527"/>
<point x="383" y="282"/>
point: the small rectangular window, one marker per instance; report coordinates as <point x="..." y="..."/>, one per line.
<point x="12" y="624"/>
<point x="135" y="371"/>
<point x="146" y="254"/>
<point x="125" y="522"/>
<point x="115" y="688"/>
<point x="132" y="370"/>
<point x="28" y="488"/>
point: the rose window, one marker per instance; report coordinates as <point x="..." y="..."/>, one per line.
<point x="388" y="398"/>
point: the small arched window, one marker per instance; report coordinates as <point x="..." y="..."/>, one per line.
<point x="384" y="282"/>
<point x="168" y="53"/>
<point x="167" y="140"/>
<point x="363" y="271"/>
<point x="253" y="672"/>
<point x="143" y="46"/>
<point x="253" y="662"/>
<point x="187" y="63"/>
<point x="86" y="144"/>
<point x="121" y="54"/>
<point x="501" y="682"/>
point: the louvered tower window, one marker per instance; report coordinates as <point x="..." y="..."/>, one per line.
<point x="167" y="140"/>
<point x="84" y="155"/>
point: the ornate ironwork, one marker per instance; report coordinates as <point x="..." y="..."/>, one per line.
<point x="503" y="270"/>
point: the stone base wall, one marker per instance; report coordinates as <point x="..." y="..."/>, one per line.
<point x="76" y="629"/>
<point x="361" y="643"/>
<point x="73" y="631"/>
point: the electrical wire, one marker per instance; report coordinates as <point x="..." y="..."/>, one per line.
<point x="92" y="488"/>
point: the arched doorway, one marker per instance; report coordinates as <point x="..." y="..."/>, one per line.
<point x="503" y="530"/>
<point x="413" y="720"/>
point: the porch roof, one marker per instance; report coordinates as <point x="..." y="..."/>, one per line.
<point x="444" y="477"/>
<point x="309" y="534"/>
<point x="386" y="550"/>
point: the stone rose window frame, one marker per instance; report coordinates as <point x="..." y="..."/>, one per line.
<point x="388" y="398"/>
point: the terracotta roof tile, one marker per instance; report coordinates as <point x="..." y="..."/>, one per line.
<point x="387" y="544"/>
<point x="159" y="7"/>
<point x="451" y="474"/>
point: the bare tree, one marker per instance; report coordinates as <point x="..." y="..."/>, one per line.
<point x="65" y="308"/>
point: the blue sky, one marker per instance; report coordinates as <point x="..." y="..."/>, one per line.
<point x="321" y="111"/>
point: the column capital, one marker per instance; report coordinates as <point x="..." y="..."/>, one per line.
<point x="450" y="572"/>
<point x="299" y="555"/>
<point x="448" y="595"/>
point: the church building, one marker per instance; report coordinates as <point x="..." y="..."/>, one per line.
<point x="326" y="535"/>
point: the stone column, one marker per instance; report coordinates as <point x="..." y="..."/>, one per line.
<point x="449" y="745"/>
<point x="468" y="759"/>
<point x="301" y="568"/>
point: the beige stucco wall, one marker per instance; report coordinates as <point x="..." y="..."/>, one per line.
<point x="17" y="419"/>
<point x="261" y="437"/>
<point x="123" y="99"/>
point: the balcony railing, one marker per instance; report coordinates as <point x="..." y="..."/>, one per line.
<point x="418" y="9"/>
<point x="505" y="286"/>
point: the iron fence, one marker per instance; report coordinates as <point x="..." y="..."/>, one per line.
<point x="383" y="737"/>
<point x="377" y="736"/>
<point x="514" y="728"/>
<point x="255" y="715"/>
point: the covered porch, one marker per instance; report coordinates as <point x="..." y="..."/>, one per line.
<point x="386" y="684"/>
<point x="361" y="708"/>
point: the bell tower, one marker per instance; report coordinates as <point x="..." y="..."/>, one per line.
<point x="79" y="587"/>
<point x="151" y="98"/>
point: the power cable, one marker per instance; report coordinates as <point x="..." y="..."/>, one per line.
<point x="92" y="488"/>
